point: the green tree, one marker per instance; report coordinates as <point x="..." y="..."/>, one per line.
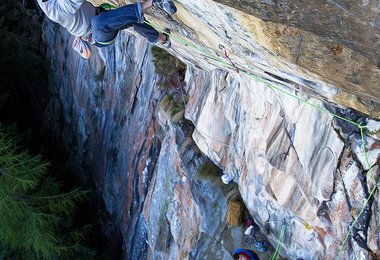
<point x="35" y="217"/>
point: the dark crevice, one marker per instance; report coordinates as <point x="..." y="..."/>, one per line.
<point x="347" y="197"/>
<point x="278" y="77"/>
<point x="360" y="230"/>
<point x="340" y="158"/>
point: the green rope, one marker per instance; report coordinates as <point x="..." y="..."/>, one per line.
<point x="298" y="98"/>
<point x="355" y="221"/>
<point x="280" y="238"/>
<point x="365" y="154"/>
<point x="208" y="55"/>
<point x="366" y="201"/>
<point x="189" y="44"/>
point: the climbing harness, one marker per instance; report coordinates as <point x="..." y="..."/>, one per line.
<point x="225" y="54"/>
<point x="104" y="7"/>
<point x="231" y="65"/>
<point x="107" y="6"/>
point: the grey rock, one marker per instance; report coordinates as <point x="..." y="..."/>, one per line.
<point x="291" y="161"/>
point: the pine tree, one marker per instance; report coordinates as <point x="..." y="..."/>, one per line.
<point x="34" y="215"/>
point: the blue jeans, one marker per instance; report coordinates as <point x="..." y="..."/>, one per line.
<point x="107" y="25"/>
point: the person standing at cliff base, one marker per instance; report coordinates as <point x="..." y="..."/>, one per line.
<point x="99" y="27"/>
<point x="245" y="254"/>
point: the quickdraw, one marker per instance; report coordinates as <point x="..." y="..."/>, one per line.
<point x="225" y="54"/>
<point x="307" y="226"/>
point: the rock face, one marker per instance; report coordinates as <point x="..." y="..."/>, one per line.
<point x="286" y="168"/>
<point x="97" y="104"/>
<point x="321" y="62"/>
<point x="355" y="24"/>
<point x="262" y="109"/>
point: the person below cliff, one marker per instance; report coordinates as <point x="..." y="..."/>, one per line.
<point x="245" y="254"/>
<point x="96" y="26"/>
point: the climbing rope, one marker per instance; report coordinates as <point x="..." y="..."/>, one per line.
<point x="216" y="58"/>
<point x="231" y="65"/>
<point x="366" y="201"/>
<point x="280" y="238"/>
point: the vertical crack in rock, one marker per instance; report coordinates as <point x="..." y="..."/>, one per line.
<point x="139" y="81"/>
<point x="290" y="135"/>
<point x="360" y="230"/>
<point x="340" y="158"/>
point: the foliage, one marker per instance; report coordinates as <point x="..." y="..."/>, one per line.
<point x="172" y="72"/>
<point x="208" y="170"/>
<point x="167" y="65"/>
<point x="177" y="102"/>
<point x="164" y="62"/>
<point x="35" y="215"/>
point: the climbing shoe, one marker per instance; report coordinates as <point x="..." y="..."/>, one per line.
<point x="167" y="44"/>
<point x="82" y="47"/>
<point x="166" y="5"/>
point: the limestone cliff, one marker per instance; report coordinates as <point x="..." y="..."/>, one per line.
<point x="262" y="109"/>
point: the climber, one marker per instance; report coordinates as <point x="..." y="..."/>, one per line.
<point x="245" y="254"/>
<point x="99" y="27"/>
